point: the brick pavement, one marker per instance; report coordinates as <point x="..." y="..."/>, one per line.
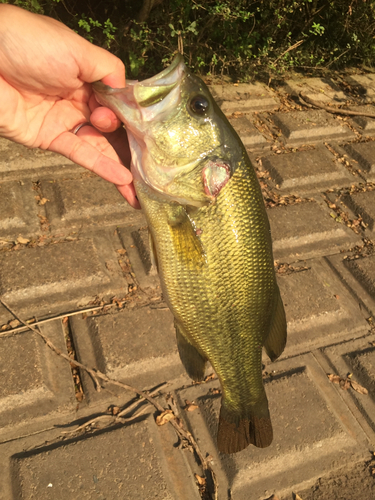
<point x="68" y="241"/>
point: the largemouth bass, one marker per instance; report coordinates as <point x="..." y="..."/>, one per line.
<point x="210" y="239"/>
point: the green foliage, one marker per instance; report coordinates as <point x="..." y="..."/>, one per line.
<point x="245" y="38"/>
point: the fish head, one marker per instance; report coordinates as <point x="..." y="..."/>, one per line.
<point x="182" y="145"/>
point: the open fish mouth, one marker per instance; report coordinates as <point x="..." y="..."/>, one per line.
<point x="145" y="94"/>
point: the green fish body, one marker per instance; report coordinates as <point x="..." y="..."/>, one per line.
<point x="210" y="239"/>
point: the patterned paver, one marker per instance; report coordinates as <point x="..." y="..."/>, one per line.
<point x="68" y="241"/>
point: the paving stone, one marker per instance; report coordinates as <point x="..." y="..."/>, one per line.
<point x="18" y="210"/>
<point x="365" y="124"/>
<point x="120" y="464"/>
<point x="347" y="482"/>
<point x="136" y="242"/>
<point x="58" y="276"/>
<point x="309" y="127"/>
<point x="306" y="230"/>
<point x="362" y="204"/>
<point x="364" y="271"/>
<point x="34" y="381"/>
<point x="136" y="346"/>
<point x="303" y="171"/>
<point x="364" y="84"/>
<point x="244" y="97"/>
<point x="319" y="309"/>
<point x="364" y="154"/>
<point x="82" y="202"/>
<point x="314" y="433"/>
<point x="17" y="162"/>
<point x="359" y="276"/>
<point x="319" y="89"/>
<point x="358" y="358"/>
<point x="249" y="134"/>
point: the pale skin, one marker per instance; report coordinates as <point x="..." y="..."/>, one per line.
<point x="46" y="71"/>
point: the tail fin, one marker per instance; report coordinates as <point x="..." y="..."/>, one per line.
<point x="236" y="432"/>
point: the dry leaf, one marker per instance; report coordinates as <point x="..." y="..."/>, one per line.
<point x="14" y="323"/>
<point x="334" y="378"/>
<point x="164" y="417"/>
<point x="345" y="384"/>
<point x="23" y="241"/>
<point x="358" y="388"/>
<point x="190" y="406"/>
<point x="210" y="377"/>
<point x="215" y="391"/>
<point x="296" y="496"/>
<point x="200" y="480"/>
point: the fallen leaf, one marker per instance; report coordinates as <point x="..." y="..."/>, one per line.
<point x="297" y="497"/>
<point x="14" y="323"/>
<point x="23" y="241"/>
<point x="358" y="388"/>
<point x="334" y="378"/>
<point x="201" y="480"/>
<point x="345" y="384"/>
<point x="190" y="406"/>
<point x="215" y="391"/>
<point x="165" y="417"/>
<point x="42" y="201"/>
<point x="210" y="377"/>
<point x="79" y="396"/>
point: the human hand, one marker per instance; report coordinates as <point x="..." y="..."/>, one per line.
<point x="46" y="71"/>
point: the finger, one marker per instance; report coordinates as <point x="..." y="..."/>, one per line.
<point x="81" y="151"/>
<point x="128" y="192"/>
<point x="104" y="119"/>
<point x="99" y="64"/>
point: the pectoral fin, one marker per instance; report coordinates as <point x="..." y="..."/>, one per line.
<point x="192" y="360"/>
<point x="187" y="245"/>
<point x="276" y="339"/>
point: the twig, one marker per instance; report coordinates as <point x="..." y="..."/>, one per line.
<point x="310" y="102"/>
<point x="292" y="47"/>
<point x="336" y="58"/>
<point x="96" y="374"/>
<point x="120" y="417"/>
<point x="60" y="316"/>
<point x="54" y="348"/>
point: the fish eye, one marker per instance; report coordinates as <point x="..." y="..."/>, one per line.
<point x="199" y="105"/>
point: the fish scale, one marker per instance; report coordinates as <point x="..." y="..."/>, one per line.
<point x="210" y="238"/>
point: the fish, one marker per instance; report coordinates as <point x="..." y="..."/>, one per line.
<point x="209" y="238"/>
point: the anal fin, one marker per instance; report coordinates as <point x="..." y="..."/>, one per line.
<point x="192" y="360"/>
<point x="276" y="339"/>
